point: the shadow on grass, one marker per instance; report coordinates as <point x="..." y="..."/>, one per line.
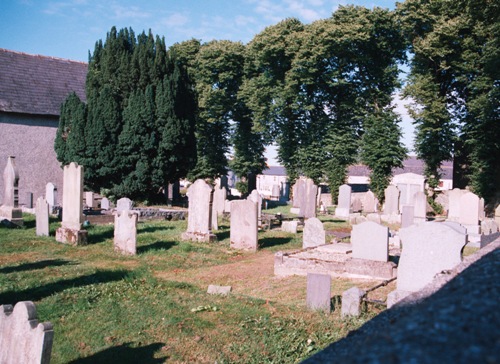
<point x="104" y="234"/>
<point x="221" y="235"/>
<point x="273" y="241"/>
<point x="152" y="229"/>
<point x="35" y="265"/>
<point x="29" y="224"/>
<point x="331" y="219"/>
<point x="159" y="245"/>
<point x="124" y="354"/>
<point x="46" y="290"/>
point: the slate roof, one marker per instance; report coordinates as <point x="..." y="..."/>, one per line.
<point x="34" y="84"/>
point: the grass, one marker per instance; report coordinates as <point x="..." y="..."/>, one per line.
<point x="153" y="307"/>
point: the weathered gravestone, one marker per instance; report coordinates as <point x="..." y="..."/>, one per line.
<point x="344" y="206"/>
<point x="369" y="202"/>
<point x="42" y="217"/>
<point x="391" y="205"/>
<point x="200" y="196"/>
<point x="357" y="206"/>
<point x="124" y="204"/>
<point x="313" y="234"/>
<point x="70" y="231"/>
<point x="370" y="241"/>
<point x="428" y="249"/>
<point x="407" y="216"/>
<point x="305" y="197"/>
<point x="420" y="207"/>
<point x="257" y="198"/>
<point x="10" y="209"/>
<point x="351" y="302"/>
<point x="125" y="237"/>
<point x="244" y="229"/>
<point x="23" y="340"/>
<point x="289" y="226"/>
<point x="454" y="204"/>
<point x="50" y="195"/>
<point x="319" y="292"/>
<point x="89" y="200"/>
<point x="105" y="203"/>
<point x="497" y="215"/>
<point x="408" y="184"/>
<point x="469" y="212"/>
<point x="219" y="200"/>
<point x="220" y="290"/>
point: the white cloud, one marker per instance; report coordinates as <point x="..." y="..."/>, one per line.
<point x="174" y="20"/>
<point x="242" y="20"/>
<point x="134" y="12"/>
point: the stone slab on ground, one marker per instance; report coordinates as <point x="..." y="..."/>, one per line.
<point x="340" y="248"/>
<point x="222" y="290"/>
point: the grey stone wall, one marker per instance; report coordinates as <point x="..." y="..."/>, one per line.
<point x="30" y="138"/>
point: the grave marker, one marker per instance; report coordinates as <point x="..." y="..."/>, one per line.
<point x="351" y="302"/>
<point x="244" y="229"/>
<point x="344" y="206"/>
<point x="125" y="236"/>
<point x="314" y="233"/>
<point x="200" y="212"/>
<point x="42" y="217"/>
<point x="370" y="241"/>
<point x="10" y="209"/>
<point x="318" y="295"/>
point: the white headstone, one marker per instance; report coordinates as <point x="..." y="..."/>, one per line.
<point x="124" y="204"/>
<point x="391" y="205"/>
<point x="243" y="234"/>
<point x="72" y="216"/>
<point x="89" y="199"/>
<point x="407" y="216"/>
<point x="344" y="206"/>
<point x="454" y="204"/>
<point x="10" y="208"/>
<point x="289" y="226"/>
<point x="314" y="233"/>
<point x="318" y="295"/>
<point x="370" y="241"/>
<point x="420" y="206"/>
<point x="125" y="237"/>
<point x="469" y="212"/>
<point x="104" y="203"/>
<point x="199" y="212"/>
<point x="369" y="202"/>
<point x="42" y="217"/>
<point x="50" y="195"/>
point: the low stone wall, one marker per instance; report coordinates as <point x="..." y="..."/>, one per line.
<point x="161" y="214"/>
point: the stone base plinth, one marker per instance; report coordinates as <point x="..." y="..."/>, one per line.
<point x="13" y="214"/>
<point x="203" y="237"/>
<point x="71" y="236"/>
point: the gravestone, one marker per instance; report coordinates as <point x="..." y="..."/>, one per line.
<point x="357" y="206"/>
<point x="305" y="194"/>
<point x="22" y="338"/>
<point x="10" y="209"/>
<point x="89" y="200"/>
<point x="50" y="195"/>
<point x="319" y="293"/>
<point x="220" y="195"/>
<point x="42" y="217"/>
<point x="454" y="204"/>
<point x="391" y="205"/>
<point x="420" y="207"/>
<point x="351" y="302"/>
<point x="407" y="216"/>
<point x="124" y="204"/>
<point x="313" y="234"/>
<point x="29" y="200"/>
<point x="172" y="193"/>
<point x="344" y="206"/>
<point x="289" y="226"/>
<point x="227" y="206"/>
<point x="199" y="212"/>
<point x="408" y="184"/>
<point x="482" y="214"/>
<point x="70" y="231"/>
<point x="370" y="241"/>
<point x="220" y="290"/>
<point x="105" y="203"/>
<point x="257" y="198"/>
<point x="497" y="215"/>
<point x="428" y="249"/>
<point x="275" y="193"/>
<point x="244" y="228"/>
<point x="469" y="212"/>
<point x="125" y="236"/>
<point x="369" y="202"/>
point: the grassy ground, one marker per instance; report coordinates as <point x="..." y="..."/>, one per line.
<point x="153" y="307"/>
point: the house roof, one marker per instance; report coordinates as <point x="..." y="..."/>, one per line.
<point x="34" y="84"/>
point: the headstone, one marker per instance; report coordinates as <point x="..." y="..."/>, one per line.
<point x="305" y="197"/>
<point x="289" y="226"/>
<point x="29" y="200"/>
<point x="125" y="237"/>
<point x="428" y="249"/>
<point x="370" y="241"/>
<point x="407" y="216"/>
<point x="369" y="205"/>
<point x="420" y="207"/>
<point x="89" y="200"/>
<point x="408" y="184"/>
<point x="351" y="302"/>
<point x="497" y="215"/>
<point x="391" y="205"/>
<point x="22" y="338"/>
<point x="220" y="195"/>
<point x="200" y="212"/>
<point x="275" y="193"/>
<point x="257" y="198"/>
<point x="70" y="231"/>
<point x="227" y="206"/>
<point x="344" y="206"/>
<point x="357" y="206"/>
<point x="482" y="214"/>
<point x="244" y="229"/>
<point x="318" y="295"/>
<point x="124" y="204"/>
<point x="105" y="203"/>
<point x="172" y="192"/>
<point x="50" y="195"/>
<point x="10" y="209"/>
<point x="221" y="290"/>
<point x="42" y="217"/>
<point x="454" y="204"/>
<point x="314" y="233"/>
<point x="469" y="212"/>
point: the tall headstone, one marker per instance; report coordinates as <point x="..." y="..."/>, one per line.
<point x="318" y="296"/>
<point x="89" y="200"/>
<point x="220" y="195"/>
<point x="368" y="201"/>
<point x="391" y="206"/>
<point x="420" y="207"/>
<point x="200" y="212"/>
<point x="42" y="217"/>
<point x="22" y="338"/>
<point x="408" y="184"/>
<point x="105" y="203"/>
<point x="257" y="198"/>
<point x="357" y="206"/>
<point x="10" y="209"/>
<point x="305" y="194"/>
<point x="125" y="236"/>
<point x="50" y="195"/>
<point x="344" y="206"/>
<point x="243" y="230"/>
<point x="407" y="216"/>
<point x="497" y="215"/>
<point x="469" y="212"/>
<point x="29" y="200"/>
<point x="454" y="204"/>
<point x="70" y="231"/>
<point x="313" y="234"/>
<point x="124" y="204"/>
<point x="370" y="241"/>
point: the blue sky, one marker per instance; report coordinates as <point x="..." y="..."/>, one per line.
<point x="70" y="28"/>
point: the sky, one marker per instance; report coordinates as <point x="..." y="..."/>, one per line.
<point x="69" y="28"/>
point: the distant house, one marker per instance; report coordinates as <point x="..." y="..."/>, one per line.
<point x="32" y="89"/>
